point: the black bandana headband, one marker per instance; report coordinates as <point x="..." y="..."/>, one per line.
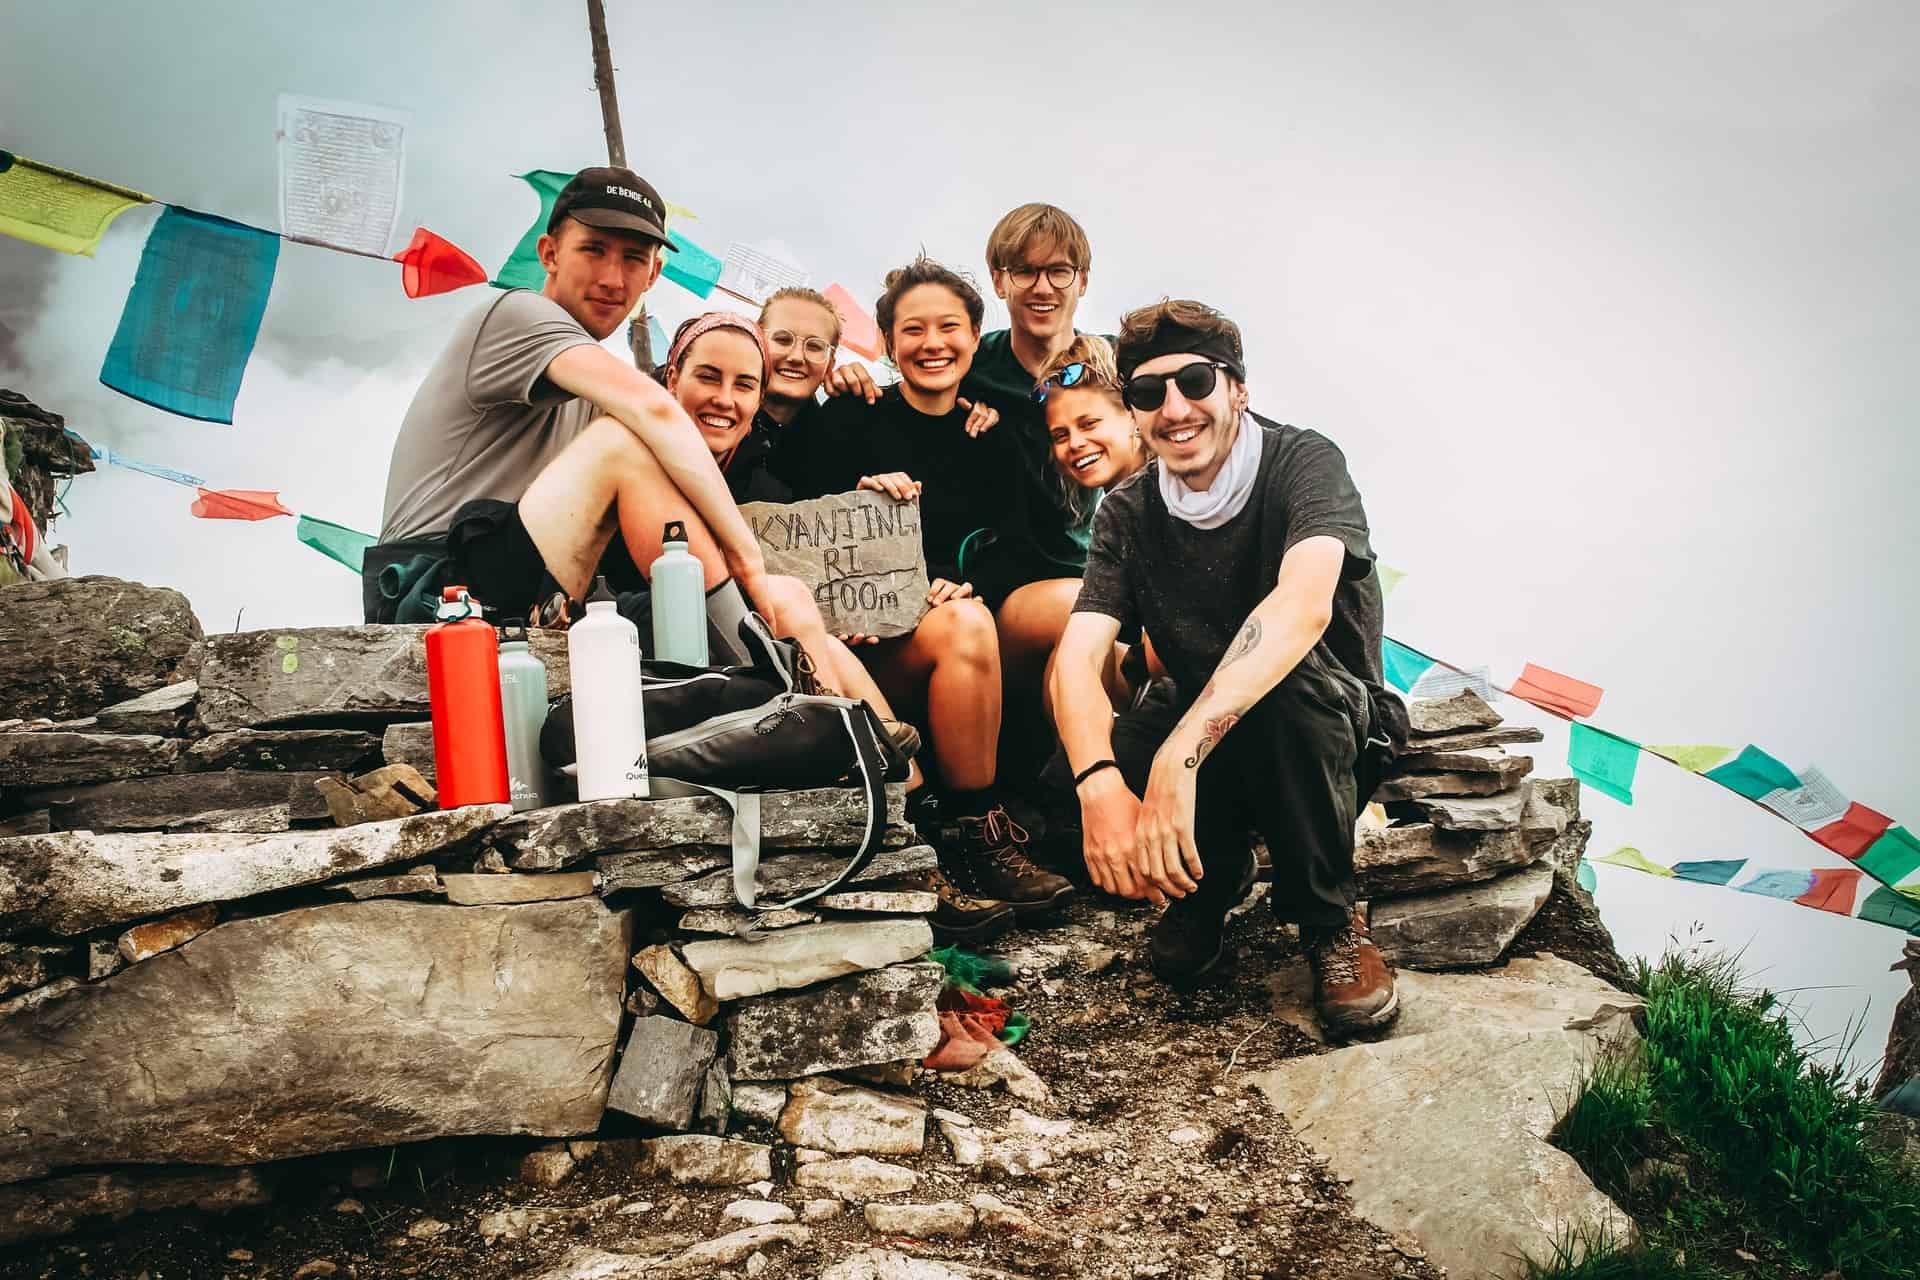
<point x="1171" y="337"/>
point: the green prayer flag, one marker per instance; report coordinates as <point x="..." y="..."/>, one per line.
<point x="1604" y="761"/>
<point x="1403" y="666"/>
<point x="335" y="541"/>
<point x="1884" y="906"/>
<point x="1585" y="877"/>
<point x="1696" y="758"/>
<point x="1628" y="856"/>
<point x="690" y="266"/>
<point x="1753" y="773"/>
<point x="522" y="269"/>
<point x="1893" y="857"/>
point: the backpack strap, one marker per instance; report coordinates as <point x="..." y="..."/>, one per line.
<point x="746" y="836"/>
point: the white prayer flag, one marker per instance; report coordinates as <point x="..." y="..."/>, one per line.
<point x="754" y="272"/>
<point x="341" y="165"/>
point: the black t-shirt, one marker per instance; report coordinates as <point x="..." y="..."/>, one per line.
<point x="1192" y="589"/>
<point x="972" y="514"/>
<point x="999" y="379"/>
<point x="749" y="471"/>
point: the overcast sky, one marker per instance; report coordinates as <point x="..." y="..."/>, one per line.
<point x="1609" y="306"/>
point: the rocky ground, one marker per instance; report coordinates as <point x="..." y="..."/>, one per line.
<point x="1152" y="1155"/>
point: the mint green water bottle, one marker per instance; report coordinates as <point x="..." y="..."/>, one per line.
<point x="523" y="706"/>
<point x="679" y="584"/>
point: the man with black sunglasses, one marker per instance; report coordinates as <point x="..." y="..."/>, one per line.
<point x="1243" y="552"/>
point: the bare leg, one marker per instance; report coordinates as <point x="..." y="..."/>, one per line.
<point x="950" y="668"/>
<point x="1030" y="622"/>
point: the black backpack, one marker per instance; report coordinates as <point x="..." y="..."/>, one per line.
<point x="734" y="732"/>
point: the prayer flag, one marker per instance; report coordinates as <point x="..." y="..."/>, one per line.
<point x="1884" y="906"/>
<point x="1715" y="871"/>
<point x="341" y="168"/>
<point x="1585" y="876"/>
<point x="658" y="341"/>
<point x="1893" y="857"/>
<point x="238" y="504"/>
<point x="1697" y="758"/>
<point x="1811" y="805"/>
<point x="1604" y="761"/>
<point x="433" y="265"/>
<point x="191" y="320"/>
<point x="690" y="266"/>
<point x="1551" y="691"/>
<point x="1389" y="577"/>
<point x="1404" y="666"/>
<point x="522" y="269"/>
<point x="1832" y="890"/>
<point x="103" y="454"/>
<point x="57" y="209"/>
<point x="1855" y="832"/>
<point x="1440" y="681"/>
<point x="1753" y="773"/>
<point x="858" y="332"/>
<point x="1790" y="885"/>
<point x="1628" y="856"/>
<point x="334" y="541"/>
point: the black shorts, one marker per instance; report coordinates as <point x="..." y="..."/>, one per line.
<point x="493" y="556"/>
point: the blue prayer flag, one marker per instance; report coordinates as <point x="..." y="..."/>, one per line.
<point x="190" y="322"/>
<point x="1404" y="666"/>
<point x="1779" y="884"/>
<point x="690" y="266"/>
<point x="1604" y="761"/>
<point x="658" y="341"/>
<point x="522" y="269"/>
<point x="1717" y="871"/>
<point x="1753" y="773"/>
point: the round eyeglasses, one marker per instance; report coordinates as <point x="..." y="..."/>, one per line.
<point x="815" y="349"/>
<point x="1060" y="275"/>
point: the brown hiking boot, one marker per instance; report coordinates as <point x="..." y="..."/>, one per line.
<point x="960" y="917"/>
<point x="986" y="856"/>
<point x="1352" y="985"/>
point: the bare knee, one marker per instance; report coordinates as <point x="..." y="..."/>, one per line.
<point x="792" y="605"/>
<point x="963" y="634"/>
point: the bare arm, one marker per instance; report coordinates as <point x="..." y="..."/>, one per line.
<point x="657" y="420"/>
<point x="1083" y="714"/>
<point x="1275" y="637"/>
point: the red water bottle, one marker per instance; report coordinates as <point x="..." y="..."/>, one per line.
<point x="463" y="685"/>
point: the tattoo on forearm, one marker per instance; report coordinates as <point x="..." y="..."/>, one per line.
<point x="1243" y="644"/>
<point x="1210" y="734"/>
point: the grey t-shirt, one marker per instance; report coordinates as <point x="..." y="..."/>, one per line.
<point x="1192" y="589"/>
<point x="485" y="419"/>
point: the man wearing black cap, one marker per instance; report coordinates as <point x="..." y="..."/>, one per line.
<point x="532" y="458"/>
<point x="1242" y="549"/>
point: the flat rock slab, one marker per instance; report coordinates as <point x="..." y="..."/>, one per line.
<point x="285" y="750"/>
<point x="732" y="968"/>
<point x="736" y="922"/>
<point x="349" y="1025"/>
<point x="158" y="711"/>
<point x="56" y="1206"/>
<point x="873" y="900"/>
<point x="828" y="1115"/>
<point x="74" y="645"/>
<point x="499" y="890"/>
<point x="154" y="804"/>
<point x="702" y="1161"/>
<point x="1474" y="760"/>
<point x="332" y="676"/>
<point x="662" y="1071"/>
<point x="1420" y="858"/>
<point x="1469" y="739"/>
<point x="1460" y="928"/>
<point x="1481" y="1185"/>
<point x="1499" y="812"/>
<point x="1427" y="717"/>
<point x="788" y="875"/>
<point x="1418" y="786"/>
<point x="410" y="743"/>
<point x="561" y="835"/>
<point x="883" y="1015"/>
<point x="75" y="881"/>
<point x="61" y="759"/>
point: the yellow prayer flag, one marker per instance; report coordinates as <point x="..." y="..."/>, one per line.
<point x="1628" y="856"/>
<point x="57" y="209"/>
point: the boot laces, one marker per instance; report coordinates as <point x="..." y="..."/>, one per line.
<point x="958" y="897"/>
<point x="1337" y="956"/>
<point x="1003" y="838"/>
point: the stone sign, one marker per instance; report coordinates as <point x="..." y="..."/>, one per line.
<point x="860" y="552"/>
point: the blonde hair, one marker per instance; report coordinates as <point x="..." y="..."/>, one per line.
<point x="1013" y="234"/>
<point x="795" y="293"/>
<point x="1102" y="374"/>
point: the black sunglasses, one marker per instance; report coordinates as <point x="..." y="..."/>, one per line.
<point x="1067" y="377"/>
<point x="1148" y="391"/>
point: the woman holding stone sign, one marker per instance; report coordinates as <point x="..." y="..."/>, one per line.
<point x="912" y="442"/>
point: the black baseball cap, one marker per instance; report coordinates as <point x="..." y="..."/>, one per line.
<point x="617" y="199"/>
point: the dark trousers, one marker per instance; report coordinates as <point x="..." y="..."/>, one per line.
<point x="1286" y="770"/>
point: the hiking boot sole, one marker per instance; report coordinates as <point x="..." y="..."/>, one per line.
<point x="985" y="930"/>
<point x="1360" y="1024"/>
<point x="1043" y="908"/>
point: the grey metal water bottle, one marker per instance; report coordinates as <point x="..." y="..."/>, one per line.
<point x="523" y="704"/>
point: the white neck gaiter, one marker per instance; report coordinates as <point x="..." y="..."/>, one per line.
<point x="1212" y="507"/>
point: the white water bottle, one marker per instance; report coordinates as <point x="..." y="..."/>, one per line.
<point x="609" y="727"/>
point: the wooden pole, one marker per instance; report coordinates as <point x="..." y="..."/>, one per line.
<point x="637" y="340"/>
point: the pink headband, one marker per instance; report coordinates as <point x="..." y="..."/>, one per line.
<point x="719" y="320"/>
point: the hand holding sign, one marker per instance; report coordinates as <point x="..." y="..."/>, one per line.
<point x="859" y="552"/>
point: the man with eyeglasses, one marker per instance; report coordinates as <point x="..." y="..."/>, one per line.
<point x="1242" y="549"/>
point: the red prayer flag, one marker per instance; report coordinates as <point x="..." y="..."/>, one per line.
<point x="1551" y="691"/>
<point x="858" y="332"/>
<point x="1832" y="890"/>
<point x="239" y="504"/>
<point x="1855" y="831"/>
<point x="431" y="265"/>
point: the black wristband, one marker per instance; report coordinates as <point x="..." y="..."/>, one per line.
<point x="1094" y="768"/>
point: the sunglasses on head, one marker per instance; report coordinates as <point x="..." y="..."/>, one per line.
<point x="1148" y="391"/>
<point x="1071" y="376"/>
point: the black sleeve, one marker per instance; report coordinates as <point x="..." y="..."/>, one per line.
<point x="824" y="457"/>
<point x="1319" y="497"/>
<point x="1105" y="588"/>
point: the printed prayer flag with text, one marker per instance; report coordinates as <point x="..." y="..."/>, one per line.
<point x="690" y="266"/>
<point x="1404" y="666"/>
<point x="1695" y="758"/>
<point x="1893" y="857"/>
<point x="1788" y="884"/>
<point x="1884" y="906"/>
<point x="56" y="209"/>
<point x="1551" y="691"/>
<point x="335" y="541"/>
<point x="1854" y="833"/>
<point x="238" y="504"/>
<point x="1832" y="890"/>
<point x="190" y="322"/>
<point x="1628" y="856"/>
<point x="522" y="269"/>
<point x="1714" y="871"/>
<point x="1753" y="773"/>
<point x="858" y="332"/>
<point x="1604" y="761"/>
<point x="431" y="265"/>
